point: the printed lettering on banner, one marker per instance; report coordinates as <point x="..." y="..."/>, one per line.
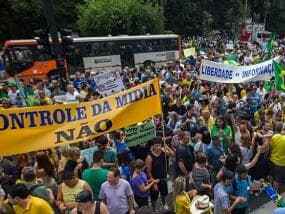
<point x="138" y="134"/>
<point x="217" y="72"/>
<point x="35" y="128"/>
<point x="109" y="82"/>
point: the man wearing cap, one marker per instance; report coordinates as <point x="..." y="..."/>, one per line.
<point x="86" y="204"/>
<point x="277" y="148"/>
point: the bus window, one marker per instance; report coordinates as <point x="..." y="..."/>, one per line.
<point x="18" y="59"/>
<point x="95" y="50"/>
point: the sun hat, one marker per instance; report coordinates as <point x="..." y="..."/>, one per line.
<point x="201" y="204"/>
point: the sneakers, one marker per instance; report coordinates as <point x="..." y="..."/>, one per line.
<point x="165" y="207"/>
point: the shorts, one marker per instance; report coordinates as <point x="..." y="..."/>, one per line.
<point x="162" y="189"/>
<point x="141" y="202"/>
<point x="277" y="172"/>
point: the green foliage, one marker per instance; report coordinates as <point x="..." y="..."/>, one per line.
<point x="19" y="18"/>
<point x="103" y="17"/>
<point x="181" y="18"/>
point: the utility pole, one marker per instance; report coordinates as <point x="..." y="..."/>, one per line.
<point x="56" y="47"/>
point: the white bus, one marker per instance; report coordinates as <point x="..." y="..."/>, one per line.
<point x="116" y="52"/>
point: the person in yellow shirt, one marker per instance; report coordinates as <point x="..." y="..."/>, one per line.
<point x="181" y="198"/>
<point x="277" y="158"/>
<point x="23" y="203"/>
<point x="243" y="93"/>
<point x="44" y="100"/>
<point x="207" y="119"/>
<point x="68" y="190"/>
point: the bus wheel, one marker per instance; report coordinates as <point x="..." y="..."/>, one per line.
<point x="147" y="63"/>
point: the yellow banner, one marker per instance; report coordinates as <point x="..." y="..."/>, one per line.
<point x="35" y="128"/>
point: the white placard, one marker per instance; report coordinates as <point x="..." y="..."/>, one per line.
<point x="109" y="82"/>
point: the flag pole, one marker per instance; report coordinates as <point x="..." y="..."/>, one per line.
<point x="162" y="124"/>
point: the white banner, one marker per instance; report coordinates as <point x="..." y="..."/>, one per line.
<point x="109" y="82"/>
<point x="216" y="72"/>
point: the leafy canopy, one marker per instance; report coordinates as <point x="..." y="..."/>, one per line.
<point x="103" y="17"/>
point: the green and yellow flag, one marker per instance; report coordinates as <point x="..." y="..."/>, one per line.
<point x="270" y="45"/>
<point x="279" y="76"/>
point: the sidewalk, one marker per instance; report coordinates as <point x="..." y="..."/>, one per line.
<point x="263" y="207"/>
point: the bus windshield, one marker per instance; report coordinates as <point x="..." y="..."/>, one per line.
<point x="25" y="59"/>
<point x="17" y="59"/>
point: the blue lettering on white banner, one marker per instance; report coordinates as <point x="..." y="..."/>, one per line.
<point x="217" y="72"/>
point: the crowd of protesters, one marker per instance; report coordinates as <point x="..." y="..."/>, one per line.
<point x="217" y="144"/>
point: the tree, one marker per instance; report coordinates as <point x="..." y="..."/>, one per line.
<point x="103" y="17"/>
<point x="20" y="18"/>
<point x="181" y="18"/>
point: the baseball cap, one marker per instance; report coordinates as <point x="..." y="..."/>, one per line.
<point x="84" y="197"/>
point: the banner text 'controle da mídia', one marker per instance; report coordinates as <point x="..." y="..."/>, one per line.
<point x="34" y="128"/>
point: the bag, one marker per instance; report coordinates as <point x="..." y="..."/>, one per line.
<point x="54" y="207"/>
<point x="34" y="187"/>
<point x="97" y="209"/>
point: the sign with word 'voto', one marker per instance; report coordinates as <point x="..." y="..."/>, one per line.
<point x="35" y="128"/>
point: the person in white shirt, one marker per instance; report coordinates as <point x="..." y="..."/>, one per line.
<point x="71" y="93"/>
<point x="261" y="92"/>
<point x="13" y="94"/>
<point x="248" y="58"/>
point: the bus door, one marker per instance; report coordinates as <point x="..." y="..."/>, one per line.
<point x="127" y="55"/>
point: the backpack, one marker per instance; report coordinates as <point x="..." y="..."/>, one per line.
<point x="34" y="187"/>
<point x="53" y="205"/>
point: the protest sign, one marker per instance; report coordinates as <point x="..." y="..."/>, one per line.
<point x="109" y="82"/>
<point x="189" y="52"/>
<point x="217" y="72"/>
<point x="138" y="134"/>
<point x="35" y="128"/>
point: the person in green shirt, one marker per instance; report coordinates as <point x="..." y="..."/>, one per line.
<point x="95" y="176"/>
<point x="110" y="155"/>
<point x="222" y="130"/>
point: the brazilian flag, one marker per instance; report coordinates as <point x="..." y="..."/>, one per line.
<point x="279" y="76"/>
<point x="27" y="95"/>
<point x="270" y="45"/>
